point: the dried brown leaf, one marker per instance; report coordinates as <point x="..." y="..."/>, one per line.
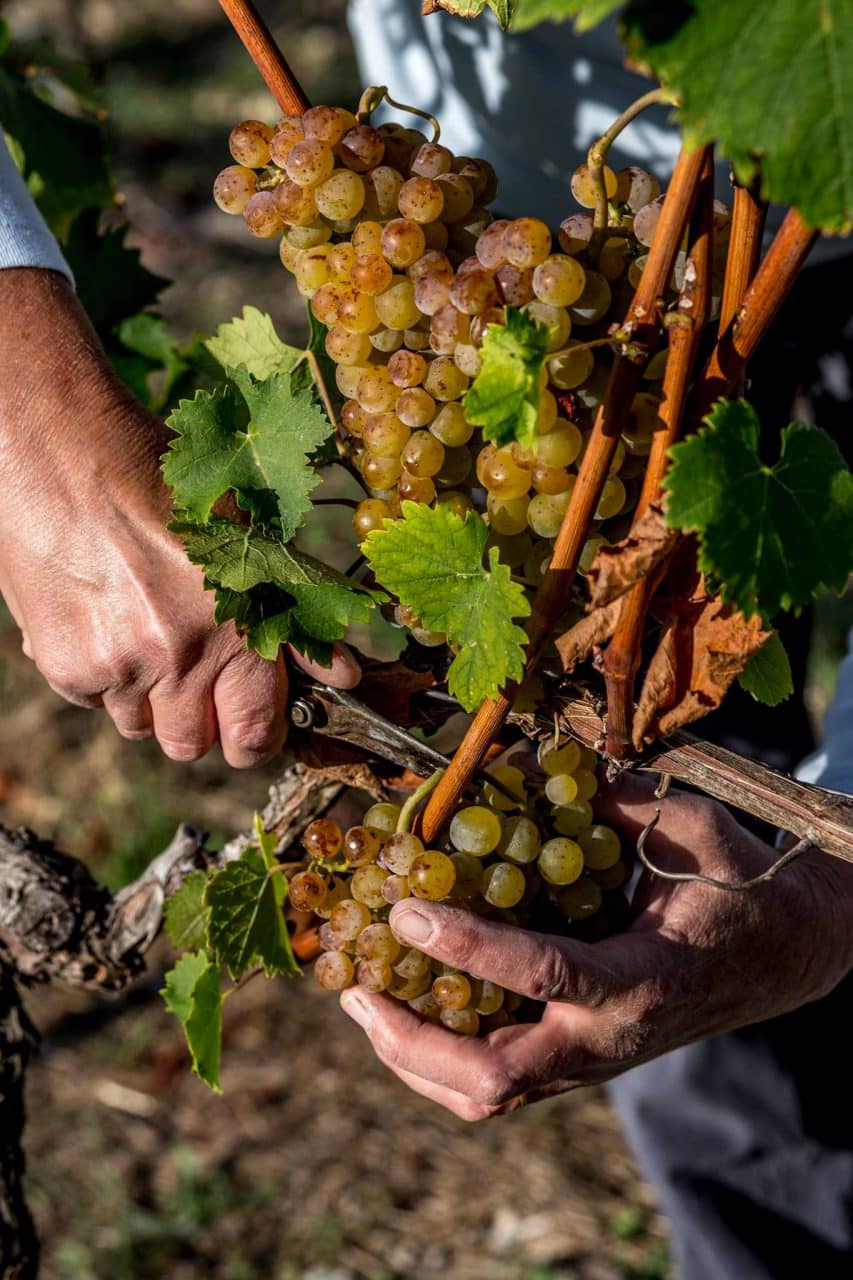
<point x="576" y="644"/>
<point x="618" y="567"/>
<point x="704" y="646"/>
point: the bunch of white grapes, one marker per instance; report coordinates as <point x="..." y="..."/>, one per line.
<point x="530" y="854"/>
<point x="390" y="237"/>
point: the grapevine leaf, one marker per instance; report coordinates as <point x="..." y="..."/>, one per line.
<point x="251" y="340"/>
<point x="111" y="281"/>
<point x="65" y="161"/>
<point x="186" y="916"/>
<point x="252" y="437"/>
<point x="768" y="674"/>
<point x="247" y="927"/>
<point x="502" y="9"/>
<point x="275" y="593"/>
<point x="587" y="13"/>
<point x="770" y="536"/>
<point x="728" y="61"/>
<point x="192" y="992"/>
<point x="504" y="397"/>
<point x="432" y="561"/>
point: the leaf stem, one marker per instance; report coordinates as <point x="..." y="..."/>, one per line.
<point x="597" y="155"/>
<point x="415" y="800"/>
<point x="244" y="981"/>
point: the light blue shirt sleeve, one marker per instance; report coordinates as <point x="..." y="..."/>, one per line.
<point x="25" y="239"/>
<point x="832" y="765"/>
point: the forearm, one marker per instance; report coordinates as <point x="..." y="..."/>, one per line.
<point x="25" y="240"/>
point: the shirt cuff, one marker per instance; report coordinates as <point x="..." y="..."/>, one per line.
<point x="25" y="239"/>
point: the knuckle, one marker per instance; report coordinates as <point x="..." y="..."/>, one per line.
<point x="183" y="751"/>
<point x="550" y="979"/>
<point x="497" y="1086"/>
<point x="254" y="737"/>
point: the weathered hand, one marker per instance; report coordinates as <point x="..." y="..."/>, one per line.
<point x="112" y="612"/>
<point x="696" y="961"/>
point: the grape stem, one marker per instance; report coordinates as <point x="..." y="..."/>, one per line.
<point x="266" y="55"/>
<point x="410" y="809"/>
<point x="607" y="429"/>
<point x="376" y="94"/>
<point x="684" y="326"/>
<point x="612" y="341"/>
<point x="597" y="155"/>
<point x="317" y="375"/>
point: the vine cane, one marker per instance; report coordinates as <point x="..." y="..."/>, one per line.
<point x="642" y="318"/>
<point x="266" y="55"/>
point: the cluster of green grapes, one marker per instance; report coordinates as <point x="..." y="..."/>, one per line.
<point x="390" y="238"/>
<point x="528" y="853"/>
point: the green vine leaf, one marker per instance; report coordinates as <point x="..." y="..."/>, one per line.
<point x="247" y="928"/>
<point x="587" y="13"/>
<point x="193" y="993"/>
<point x="274" y="593"/>
<point x="432" y="561"/>
<point x="504" y="397"/>
<point x="252" y="437"/>
<point x="770" y="536"/>
<point x="186" y="916"/>
<point x="767" y="675"/>
<point x="502" y="9"/>
<point x="251" y="340"/>
<point x="111" y="281"/>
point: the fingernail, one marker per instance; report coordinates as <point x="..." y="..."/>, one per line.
<point x="412" y="924"/>
<point x="354" y="1004"/>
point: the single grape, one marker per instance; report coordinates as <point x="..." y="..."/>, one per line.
<point x="573" y="818"/>
<point x="476" y="830"/>
<point x="423" y="455"/>
<point x="408" y="988"/>
<point x="323" y="123"/>
<point x="526" y="242"/>
<point x="386" y="340"/>
<point x="361" y="148"/>
<point x="430" y="160"/>
<point x="349" y="918"/>
<point x="513" y="781"/>
<point x="249" y="143"/>
<point x="399" y="851"/>
<point x="601" y="847"/>
<point x="451" y="426"/>
<point x="594" y="302"/>
<point x="412" y="963"/>
<point x="467" y="359"/>
<point x="381" y="191"/>
<point x="356" y="311"/>
<point x="309" y="163"/>
<point x="261" y="215"/>
<point x="287" y="133"/>
<point x="421" y="199"/>
<point x="587" y="783"/>
<point x="459" y="503"/>
<point x="323" y="839"/>
<point x="296" y="205"/>
<point x="458" y="196"/>
<point x="345" y="347"/>
<point x="452" y="991"/>
<point x="347" y="376"/>
<point x="396" y="307"/>
<point x="395" y="888"/>
<point x="431" y="875"/>
<point x="576" y="233"/>
<point x="591" y="548"/>
<point x="561" y="788"/>
<point x="337" y="889"/>
<point x="554" y="760"/>
<point x="361" y="846"/>
<point x="426" y="1007"/>
<point x="612" y="877"/>
<point x="580" y="900"/>
<point x="432" y="292"/>
<point x="559" y="280"/>
<point x="334" y="970"/>
<point x="584" y="185"/>
<point x="545" y="479"/>
<point x="380" y="474"/>
<point x="502" y="476"/>
<point x="490" y="245"/>
<point x="233" y="187"/>
<point x="474" y="291"/>
<point x="635" y="187"/>
<point x="305" y="237"/>
<point x="612" y="499"/>
<point x="571" y="368"/>
<point x="636" y="269"/>
<point x="415" y="407"/>
<point x="560" y="861"/>
<point x="503" y="884"/>
<point x="385" y="435"/>
<point x="407" y="369"/>
<point x="444" y="381"/>
<point x="480" y="174"/>
<point x="366" y="886"/>
<point x="463" y="1021"/>
<point x="367" y="237"/>
<point x="376" y="391"/>
<point x="377" y="944"/>
<point x="353" y="417"/>
<point x="419" y="489"/>
<point x="489" y="997"/>
<point x="614" y="257"/>
<point x="557" y="320"/>
<point x="373" y="977"/>
<point x="416" y="338"/>
<point x="331" y="941"/>
<point x="382" y="818"/>
<point x="546" y="511"/>
<point x="515" y="285"/>
<point x="402" y="242"/>
<point x="646" y="220"/>
<point x="436" y="236"/>
<point x="519" y="840"/>
<point x="307" y="891"/>
<point x="369" y="515"/>
<point x="507" y="516"/>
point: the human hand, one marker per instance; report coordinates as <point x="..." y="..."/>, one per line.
<point x="111" y="610"/>
<point x="695" y="962"/>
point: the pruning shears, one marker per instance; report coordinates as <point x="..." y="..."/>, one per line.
<point x="337" y="714"/>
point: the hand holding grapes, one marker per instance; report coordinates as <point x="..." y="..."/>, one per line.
<point x="111" y="610"/>
<point x="696" y="962"/>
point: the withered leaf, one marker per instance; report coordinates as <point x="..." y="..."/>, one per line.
<point x="576" y="644"/>
<point x="618" y="567"/>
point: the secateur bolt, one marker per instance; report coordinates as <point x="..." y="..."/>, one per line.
<point x="302" y="714"/>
